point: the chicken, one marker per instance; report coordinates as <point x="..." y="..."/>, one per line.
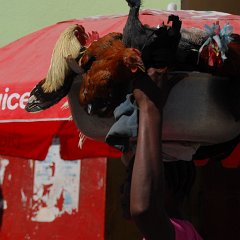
<point x="97" y="48"/>
<point x="158" y="45"/>
<point x="220" y="56"/>
<point x="59" y="77"/>
<point x="108" y="68"/>
<point x="187" y="53"/>
<point x="70" y="42"/>
<point x="211" y="59"/>
<point x="198" y="51"/>
<point x="109" y="76"/>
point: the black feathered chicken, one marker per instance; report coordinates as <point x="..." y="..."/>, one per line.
<point x="158" y="45"/>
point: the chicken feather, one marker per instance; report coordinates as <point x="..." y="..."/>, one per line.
<point x="97" y="49"/>
<point x="158" y="45"/>
<point x="114" y="69"/>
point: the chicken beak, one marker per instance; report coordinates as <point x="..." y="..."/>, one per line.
<point x="141" y="67"/>
<point x="138" y="66"/>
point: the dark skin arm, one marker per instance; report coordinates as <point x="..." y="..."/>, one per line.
<point x="147" y="188"/>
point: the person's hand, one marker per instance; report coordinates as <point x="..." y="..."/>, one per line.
<point x="155" y="86"/>
<point x="165" y="81"/>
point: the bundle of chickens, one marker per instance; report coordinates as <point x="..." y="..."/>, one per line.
<point x="109" y="65"/>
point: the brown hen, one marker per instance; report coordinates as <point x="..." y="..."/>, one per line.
<point x="110" y="74"/>
<point x="97" y="49"/>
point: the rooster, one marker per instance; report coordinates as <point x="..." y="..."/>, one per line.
<point x="158" y="45"/>
<point x="211" y="59"/>
<point x="59" y="77"/>
<point x="220" y="55"/>
<point x="110" y="74"/>
<point x="69" y="43"/>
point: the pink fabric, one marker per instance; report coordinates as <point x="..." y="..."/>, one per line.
<point x="184" y="230"/>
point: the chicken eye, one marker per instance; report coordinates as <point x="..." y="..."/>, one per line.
<point x="76" y="33"/>
<point x="132" y="59"/>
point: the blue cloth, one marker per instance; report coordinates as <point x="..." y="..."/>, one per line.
<point x="126" y="126"/>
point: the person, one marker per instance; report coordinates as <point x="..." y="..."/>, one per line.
<point x="155" y="205"/>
